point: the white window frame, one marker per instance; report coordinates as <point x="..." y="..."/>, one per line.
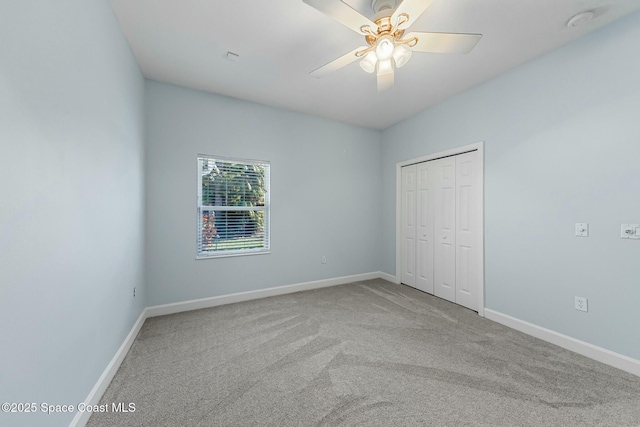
<point x="266" y="249"/>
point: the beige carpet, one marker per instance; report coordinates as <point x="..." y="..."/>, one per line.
<point x="369" y="354"/>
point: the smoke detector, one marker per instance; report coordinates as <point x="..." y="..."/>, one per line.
<point x="580" y="19"/>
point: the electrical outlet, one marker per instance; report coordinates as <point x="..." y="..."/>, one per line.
<point x="582" y="304"/>
<point x="134" y="292"/>
<point x="324" y="259"/>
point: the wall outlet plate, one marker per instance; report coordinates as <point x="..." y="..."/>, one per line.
<point x="630" y="231"/>
<point x="582" y="229"/>
<point x="581" y="304"/>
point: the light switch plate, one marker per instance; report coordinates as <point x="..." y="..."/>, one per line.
<point x="582" y="229"/>
<point x="630" y="231"/>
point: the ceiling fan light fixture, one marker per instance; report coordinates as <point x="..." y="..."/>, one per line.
<point x="385" y="48"/>
<point x="401" y="55"/>
<point x="369" y="62"/>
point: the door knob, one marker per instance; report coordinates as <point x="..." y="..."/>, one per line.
<point x="424" y="235"/>
<point x="444" y="237"/>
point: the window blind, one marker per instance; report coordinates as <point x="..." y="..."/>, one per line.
<point x="233" y="206"/>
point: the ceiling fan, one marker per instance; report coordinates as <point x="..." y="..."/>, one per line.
<point x="388" y="47"/>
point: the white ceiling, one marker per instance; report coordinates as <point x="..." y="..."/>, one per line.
<point x="184" y="42"/>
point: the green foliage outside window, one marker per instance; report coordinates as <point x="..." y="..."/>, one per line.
<point x="232" y="184"/>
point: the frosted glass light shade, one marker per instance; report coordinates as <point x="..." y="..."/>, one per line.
<point x="368" y="64"/>
<point x="384" y="48"/>
<point x="401" y="55"/>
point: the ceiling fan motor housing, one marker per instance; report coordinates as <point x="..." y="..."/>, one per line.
<point x="380" y="5"/>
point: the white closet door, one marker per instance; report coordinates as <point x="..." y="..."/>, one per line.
<point x="424" y="249"/>
<point x="468" y="230"/>
<point x="444" y="228"/>
<point x="408" y="212"/>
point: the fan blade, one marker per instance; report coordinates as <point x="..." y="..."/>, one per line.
<point x="444" y="42"/>
<point x="385" y="75"/>
<point x="413" y="8"/>
<point x="342" y="13"/>
<point x="336" y="64"/>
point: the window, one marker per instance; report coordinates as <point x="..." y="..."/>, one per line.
<point x="233" y="207"/>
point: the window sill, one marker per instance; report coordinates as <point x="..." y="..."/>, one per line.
<point x="234" y="254"/>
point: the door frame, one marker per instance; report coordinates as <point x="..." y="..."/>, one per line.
<point x="479" y="147"/>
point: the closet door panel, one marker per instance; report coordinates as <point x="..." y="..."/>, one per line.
<point x="424" y="262"/>
<point x="444" y="228"/>
<point x="467" y="230"/>
<point x="409" y="228"/>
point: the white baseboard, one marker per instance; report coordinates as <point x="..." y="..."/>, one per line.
<point x="591" y="351"/>
<point x="389" y="278"/>
<point x="178" y="307"/>
<point x="98" y="390"/>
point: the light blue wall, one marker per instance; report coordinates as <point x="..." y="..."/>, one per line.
<point x="562" y="137"/>
<point x="71" y="200"/>
<point x="325" y="194"/>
